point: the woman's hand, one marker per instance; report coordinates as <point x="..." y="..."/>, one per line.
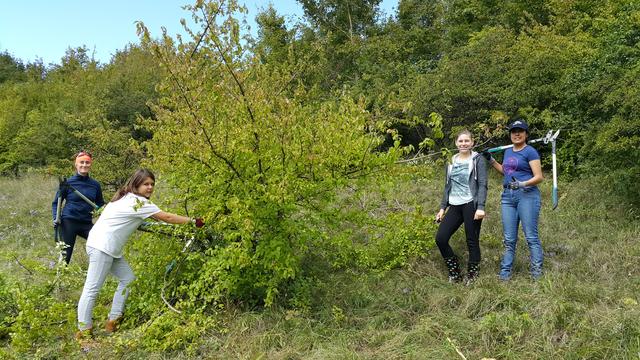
<point x="198" y="222"/>
<point x="479" y="215"/>
<point x="439" y="215"/>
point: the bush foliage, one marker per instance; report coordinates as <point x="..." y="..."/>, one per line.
<point x="263" y="159"/>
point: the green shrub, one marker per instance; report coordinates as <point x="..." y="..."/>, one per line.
<point x="8" y="309"/>
<point x="262" y="157"/>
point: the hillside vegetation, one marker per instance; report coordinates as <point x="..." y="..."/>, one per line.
<point x="585" y="307"/>
<point x="313" y="152"/>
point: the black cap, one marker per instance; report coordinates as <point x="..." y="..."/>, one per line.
<point x="519" y="124"/>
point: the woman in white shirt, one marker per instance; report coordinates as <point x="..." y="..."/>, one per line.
<point x="128" y="208"/>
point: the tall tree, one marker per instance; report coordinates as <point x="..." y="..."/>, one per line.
<point x="274" y="39"/>
<point x="342" y="20"/>
<point x="11" y="69"/>
<point x="253" y="157"/>
<point x="341" y="27"/>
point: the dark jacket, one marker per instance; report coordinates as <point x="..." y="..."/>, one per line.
<point x="75" y="207"/>
<point x="477" y="181"/>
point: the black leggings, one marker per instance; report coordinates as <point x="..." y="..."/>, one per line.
<point x="456" y="216"/>
<point x="69" y="230"/>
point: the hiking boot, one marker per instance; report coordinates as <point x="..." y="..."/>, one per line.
<point x="472" y="273"/>
<point x="454" y="269"/>
<point x="536" y="272"/>
<point x="111" y="326"/>
<point x="504" y="277"/>
<point x="86" y="334"/>
<point x="536" y="276"/>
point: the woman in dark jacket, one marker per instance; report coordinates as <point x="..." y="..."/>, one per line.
<point x="77" y="212"/>
<point x="463" y="199"/>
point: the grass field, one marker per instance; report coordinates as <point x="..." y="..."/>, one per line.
<point x="584" y="307"/>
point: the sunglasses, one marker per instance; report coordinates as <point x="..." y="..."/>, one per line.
<point x="84" y="153"/>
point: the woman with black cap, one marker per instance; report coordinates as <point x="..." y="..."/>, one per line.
<point x="520" y="202"/>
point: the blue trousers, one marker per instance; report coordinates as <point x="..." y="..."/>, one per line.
<point x="521" y="206"/>
<point x="70" y="229"/>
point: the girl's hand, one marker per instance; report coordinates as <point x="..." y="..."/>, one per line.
<point x="439" y="215"/>
<point x="479" y="215"/>
<point x="198" y="222"/>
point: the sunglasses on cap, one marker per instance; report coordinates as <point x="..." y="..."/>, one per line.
<point x="84" y="153"/>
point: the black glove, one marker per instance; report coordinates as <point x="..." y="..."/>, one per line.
<point x="487" y="155"/>
<point x="515" y="184"/>
<point x="64" y="185"/>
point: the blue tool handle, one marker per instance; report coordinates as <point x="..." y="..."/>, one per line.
<point x="499" y="148"/>
<point x="170" y="267"/>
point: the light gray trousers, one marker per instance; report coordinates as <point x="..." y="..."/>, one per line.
<point x="101" y="264"/>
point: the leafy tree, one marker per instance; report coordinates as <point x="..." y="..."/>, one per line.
<point x="602" y="99"/>
<point x="56" y="111"/>
<point x="36" y="71"/>
<point x="75" y="59"/>
<point x="339" y="29"/>
<point x="273" y="37"/>
<point x="421" y="31"/>
<point x="259" y="164"/>
<point x="465" y="17"/>
<point x="11" y="69"/>
<point x="32" y="126"/>
<point x="343" y="21"/>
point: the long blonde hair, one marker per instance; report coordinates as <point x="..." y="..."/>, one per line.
<point x="133" y="183"/>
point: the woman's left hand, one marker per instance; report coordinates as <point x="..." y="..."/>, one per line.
<point x="479" y="215"/>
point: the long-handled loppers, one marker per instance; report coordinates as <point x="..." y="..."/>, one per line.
<point x="550" y="137"/>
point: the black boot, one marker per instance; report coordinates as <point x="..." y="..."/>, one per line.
<point x="454" y="269"/>
<point x="472" y="273"/>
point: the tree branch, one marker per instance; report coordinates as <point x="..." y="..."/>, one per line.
<point x="24" y="267"/>
<point x="192" y="112"/>
<point x="245" y="101"/>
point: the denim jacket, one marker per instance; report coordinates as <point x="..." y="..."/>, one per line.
<point x="477" y="181"/>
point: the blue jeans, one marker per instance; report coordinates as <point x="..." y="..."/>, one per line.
<point x="521" y="206"/>
<point x="100" y="265"/>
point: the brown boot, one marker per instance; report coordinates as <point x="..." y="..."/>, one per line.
<point x="86" y="334"/>
<point x="85" y="340"/>
<point x="112" y="325"/>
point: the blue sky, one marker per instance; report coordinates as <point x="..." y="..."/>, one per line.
<point x="46" y="28"/>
